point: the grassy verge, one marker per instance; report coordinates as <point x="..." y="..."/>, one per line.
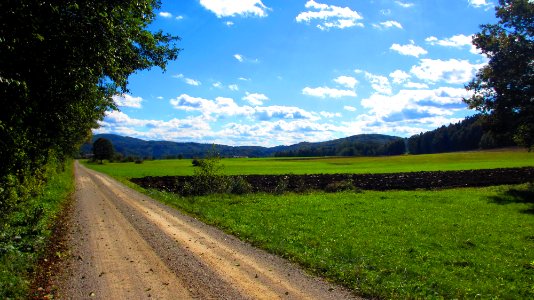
<point x="457" y="243"/>
<point x="333" y="165"/>
<point x="24" y="236"/>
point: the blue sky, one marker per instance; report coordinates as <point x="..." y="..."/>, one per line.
<point x="279" y="72"/>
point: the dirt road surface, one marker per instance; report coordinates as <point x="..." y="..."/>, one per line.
<point x="125" y="245"/>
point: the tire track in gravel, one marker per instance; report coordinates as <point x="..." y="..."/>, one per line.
<point x="126" y="245"/>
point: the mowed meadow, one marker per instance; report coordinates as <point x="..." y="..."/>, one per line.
<point x="447" y="243"/>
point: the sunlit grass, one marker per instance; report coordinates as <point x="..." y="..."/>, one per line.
<point x="391" y="164"/>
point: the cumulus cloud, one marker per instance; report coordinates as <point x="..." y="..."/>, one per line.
<point x="416" y="85"/>
<point x="346" y="81"/>
<point x="399" y="76"/>
<point x="481" y="3"/>
<point x="387" y="25"/>
<point x="233" y="87"/>
<point x="229" y="23"/>
<point x="416" y="104"/>
<point x="330" y="115"/>
<point x="452" y="71"/>
<point x="379" y="83"/>
<point x="456" y="41"/>
<point x="210" y="109"/>
<point x="329" y="16"/>
<point x="255" y="99"/>
<point x="349" y="108"/>
<point x="326" y="92"/>
<point x="231" y="8"/>
<point x="409" y="49"/>
<point x="126" y="100"/>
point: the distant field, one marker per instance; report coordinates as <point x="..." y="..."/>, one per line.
<point x="392" y="164"/>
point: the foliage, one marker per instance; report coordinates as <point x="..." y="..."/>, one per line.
<point x="469" y="134"/>
<point x="26" y="231"/>
<point x="391" y="245"/>
<point x="103" y="149"/>
<point x="60" y="64"/>
<point x="504" y="89"/>
<point x="208" y="177"/>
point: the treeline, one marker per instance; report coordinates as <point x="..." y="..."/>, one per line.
<point x="361" y="145"/>
<point x="469" y="134"/>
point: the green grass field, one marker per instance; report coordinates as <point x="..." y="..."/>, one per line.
<point x="404" y="163"/>
<point x="451" y="243"/>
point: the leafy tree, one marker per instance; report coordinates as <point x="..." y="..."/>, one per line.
<point x="60" y="64"/>
<point x="103" y="149"/>
<point x="504" y="89"/>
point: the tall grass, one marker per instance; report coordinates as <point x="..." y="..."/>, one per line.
<point x="26" y="231"/>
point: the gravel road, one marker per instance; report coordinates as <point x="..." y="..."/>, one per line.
<point x="125" y="245"/>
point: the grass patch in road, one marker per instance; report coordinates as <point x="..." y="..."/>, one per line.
<point x="25" y="234"/>
<point x="332" y="165"/>
<point x="456" y="243"/>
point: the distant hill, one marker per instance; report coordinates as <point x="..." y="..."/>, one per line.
<point x="365" y="144"/>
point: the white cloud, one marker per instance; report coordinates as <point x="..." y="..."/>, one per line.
<point x="217" y="84"/>
<point x="229" y="23"/>
<point x="239" y="57"/>
<point x="416" y="85"/>
<point x="452" y="71"/>
<point x="329" y="16"/>
<point x="349" y="108"/>
<point x="409" y="49"/>
<point x="283" y="112"/>
<point x="192" y="82"/>
<point x="399" y="76"/>
<point x="126" y="100"/>
<point x="379" y="83"/>
<point x="346" y="81"/>
<point x="456" y="41"/>
<point x="255" y="99"/>
<point x="179" y="18"/>
<point x="189" y="81"/>
<point x="233" y="87"/>
<point x="159" y="97"/>
<point x="230" y="8"/>
<point x="387" y="25"/>
<point x="330" y="115"/>
<point x="165" y="14"/>
<point x="480" y="3"/>
<point x="404" y="4"/>
<point x="416" y="104"/>
<point x="221" y="106"/>
<point x="326" y="92"/>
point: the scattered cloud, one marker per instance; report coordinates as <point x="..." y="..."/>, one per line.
<point x="229" y="23"/>
<point x="189" y="81"/>
<point x="399" y="76"/>
<point x="330" y="115"/>
<point x="387" y="25"/>
<point x="126" y="100"/>
<point x="165" y="14"/>
<point x="416" y="85"/>
<point x="379" y="83"/>
<point x="217" y="84"/>
<point x="230" y="8"/>
<point x="329" y="16"/>
<point x="255" y="99"/>
<point x="179" y="18"/>
<point x="456" y="41"/>
<point x="452" y="71"/>
<point x="481" y="4"/>
<point x="239" y="57"/>
<point x="349" y="108"/>
<point x="326" y="92"/>
<point x="346" y="81"/>
<point x="409" y="49"/>
<point x="233" y="87"/>
<point x="404" y="4"/>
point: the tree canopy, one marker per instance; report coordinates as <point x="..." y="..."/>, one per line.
<point x="504" y="88"/>
<point x="60" y="64"/>
<point x="103" y="149"/>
